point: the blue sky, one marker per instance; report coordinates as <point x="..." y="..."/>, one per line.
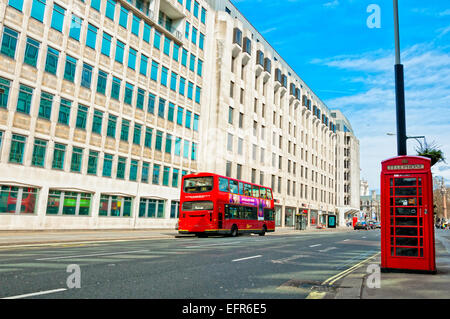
<point x="351" y="66"/>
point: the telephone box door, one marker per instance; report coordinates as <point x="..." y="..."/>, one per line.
<point x="407" y="222"/>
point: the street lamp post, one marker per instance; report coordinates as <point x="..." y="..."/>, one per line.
<point x="399" y="89"/>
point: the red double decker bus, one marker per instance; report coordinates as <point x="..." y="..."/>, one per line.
<point x="214" y="204"/>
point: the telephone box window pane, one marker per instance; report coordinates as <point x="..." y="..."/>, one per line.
<point x="407" y="191"/>
<point x="404" y="221"/>
<point x="406" y="211"/>
<point x="411" y="201"/>
<point x="406" y="241"/>
<point x="405" y="181"/>
<point x="408" y="252"/>
<point x="405" y="231"/>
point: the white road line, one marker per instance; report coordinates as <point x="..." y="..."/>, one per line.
<point x="327" y="249"/>
<point x="251" y="257"/>
<point x="317" y="245"/>
<point x="346" y="239"/>
<point x="207" y="245"/>
<point x="92" y="255"/>
<point x="37" y="293"/>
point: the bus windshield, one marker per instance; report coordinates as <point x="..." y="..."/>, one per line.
<point x="198" y="184"/>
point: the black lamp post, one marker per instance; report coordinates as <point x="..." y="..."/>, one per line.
<point x="399" y="89"/>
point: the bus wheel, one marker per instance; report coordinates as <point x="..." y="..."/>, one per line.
<point x="234" y="231"/>
<point x="263" y="231"/>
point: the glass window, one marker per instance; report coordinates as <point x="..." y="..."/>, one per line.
<point x="151" y="208"/>
<point x="9" y="42"/>
<point x="166" y="174"/>
<point x="147" y="30"/>
<point x="155" y="178"/>
<point x="247" y="189"/>
<point x="115" y="88"/>
<point x="68" y="203"/>
<point x="137" y="134"/>
<point x="123" y="19"/>
<point x="17" y="200"/>
<point x="70" y="69"/>
<point x="167" y="43"/>
<point x="106" y="44"/>
<point x="107" y="165"/>
<point x="17" y="4"/>
<point x="133" y="170"/>
<point x="234" y="186"/>
<point x="203" y="16"/>
<point x="132" y="59"/>
<point x="128" y="98"/>
<point x="64" y="111"/>
<point x="31" y="52"/>
<point x="121" y="165"/>
<point x="145" y="171"/>
<point x="95" y="4"/>
<point x="92" y="163"/>
<point x="157" y="40"/>
<point x="255" y="191"/>
<point x="120" y="49"/>
<point x="148" y="137"/>
<point x="51" y="63"/>
<point x="140" y="99"/>
<point x="158" y="142"/>
<point x="223" y="184"/>
<point x="59" y="153"/>
<point x="45" y="105"/>
<point x="164" y="73"/>
<point x="17" y="149"/>
<point x="154" y="71"/>
<point x="110" y="9"/>
<point x="81" y="117"/>
<point x="186" y="149"/>
<point x="91" y="37"/>
<point x="176" y="51"/>
<point x="194" y="151"/>
<point x="4" y="92"/>
<point x="97" y="122"/>
<point x="58" y="17"/>
<point x="38" y="9"/>
<point x="75" y="27"/>
<point x="144" y="65"/>
<point x="135" y="25"/>
<point x="86" y="76"/>
<point x="180" y="113"/>
<point x="177" y="146"/>
<point x="162" y="107"/>
<point x="102" y="80"/>
<point x="77" y="157"/>
<point x="173" y="81"/>
<point x="168" y="148"/>
<point x="196" y="120"/>
<point x="175" y="174"/>
<point x="24" y="99"/>
<point x="124" y="132"/>
<point x="188" y="119"/>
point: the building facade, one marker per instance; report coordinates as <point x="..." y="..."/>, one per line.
<point x="105" y="105"/>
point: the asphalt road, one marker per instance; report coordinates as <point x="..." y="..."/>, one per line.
<point x="248" y="267"/>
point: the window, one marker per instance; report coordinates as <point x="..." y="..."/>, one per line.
<point x="59" y="153"/>
<point x="186" y="149"/>
<point x="157" y="40"/>
<point x="151" y="208"/>
<point x="110" y="9"/>
<point x="154" y="71"/>
<point x="167" y="43"/>
<point x="144" y="65"/>
<point x="176" y="51"/>
<point x="129" y="88"/>
<point x="147" y="30"/>
<point x="91" y="37"/>
<point x="190" y="90"/>
<point x="155" y="177"/>
<point x="158" y="142"/>
<point x="196" y="120"/>
<point x="133" y="170"/>
<point x="177" y="146"/>
<point x="182" y="85"/>
<point x="175" y="174"/>
<point x="4" y="92"/>
<point x="173" y="81"/>
<point x="194" y="151"/>
<point x="81" y="117"/>
<point x="95" y="4"/>
<point x="106" y="44"/>
<point x="102" y="79"/>
<point x="166" y="174"/>
<point x="184" y="56"/>
<point x="68" y="203"/>
<point x="161" y="108"/>
<point x="92" y="163"/>
<point x="115" y="88"/>
<point x="194" y="36"/>
<point x="9" y="42"/>
<point x="223" y="184"/>
<point x="151" y="103"/>
<point x="164" y="73"/>
<point x="51" y="63"/>
<point x="123" y="19"/>
<point x="31" y="52"/>
<point x="180" y="115"/>
<point x="168" y="148"/>
<point x="75" y="27"/>
<point x="64" y="112"/>
<point x="170" y="112"/>
<point x="77" y="157"/>
<point x="58" y="17"/>
<point x="97" y="122"/>
<point x="186" y="30"/>
<point x="121" y="165"/>
<point x="199" y="67"/>
<point x="201" y="41"/>
<point x="196" y="8"/>
<point x="124" y="132"/>
<point x="120" y="49"/>
<point x="198" y="93"/>
<point x="24" y="99"/>
<point x="144" y="173"/>
<point x="132" y="59"/>
<point x="230" y="142"/>
<point x="70" y="69"/>
<point x="86" y="76"/>
<point x="107" y="165"/>
<point x="115" y="206"/>
<point x="148" y="137"/>
<point x="25" y="199"/>
<point x="192" y="63"/>
<point x="135" y="25"/>
<point x="188" y="119"/>
<point x="140" y="99"/>
<point x="203" y="16"/>
<point x="17" y="4"/>
<point x="17" y="149"/>
<point x="137" y="134"/>
<point x="45" y="105"/>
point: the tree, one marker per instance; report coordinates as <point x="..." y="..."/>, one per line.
<point x="431" y="151"/>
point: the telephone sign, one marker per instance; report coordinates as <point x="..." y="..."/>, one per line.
<point x="407" y="232"/>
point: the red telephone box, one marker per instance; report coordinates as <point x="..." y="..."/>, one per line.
<point x="407" y="230"/>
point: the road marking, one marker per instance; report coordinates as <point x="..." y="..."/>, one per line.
<point x="316" y="295"/>
<point x="46" y="292"/>
<point x="327" y="249"/>
<point x="317" y="245"/>
<point x="230" y="243"/>
<point x="346" y="239"/>
<point x="251" y="257"/>
<point x="91" y="255"/>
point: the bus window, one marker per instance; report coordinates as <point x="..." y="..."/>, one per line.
<point x="241" y="188"/>
<point x="231" y="212"/>
<point x="269" y="214"/>
<point x="198" y="184"/>
<point x="249" y="213"/>
<point x="223" y="184"/>
<point x="269" y="194"/>
<point x="262" y="193"/>
<point x="247" y="190"/>
<point x="234" y="185"/>
<point x="255" y="191"/>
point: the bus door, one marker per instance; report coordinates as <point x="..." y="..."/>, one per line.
<point x="220" y="226"/>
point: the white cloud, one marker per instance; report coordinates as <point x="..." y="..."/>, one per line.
<point x="331" y="4"/>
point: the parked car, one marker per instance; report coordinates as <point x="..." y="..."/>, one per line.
<point x="378" y="225"/>
<point x="371" y="224"/>
<point x="361" y="225"/>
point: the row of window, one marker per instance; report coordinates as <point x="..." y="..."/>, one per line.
<point x="59" y="152"/>
<point x="177" y="83"/>
<point x="23" y="200"/>
<point x="24" y="103"/>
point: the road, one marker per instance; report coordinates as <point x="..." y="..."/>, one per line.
<point x="245" y="267"/>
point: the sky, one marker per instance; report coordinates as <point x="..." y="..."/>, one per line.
<point x="350" y="67"/>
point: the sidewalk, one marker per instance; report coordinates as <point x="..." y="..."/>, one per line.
<point x="40" y="237"/>
<point x="401" y="285"/>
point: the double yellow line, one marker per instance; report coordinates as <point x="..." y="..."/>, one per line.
<point x="330" y="281"/>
